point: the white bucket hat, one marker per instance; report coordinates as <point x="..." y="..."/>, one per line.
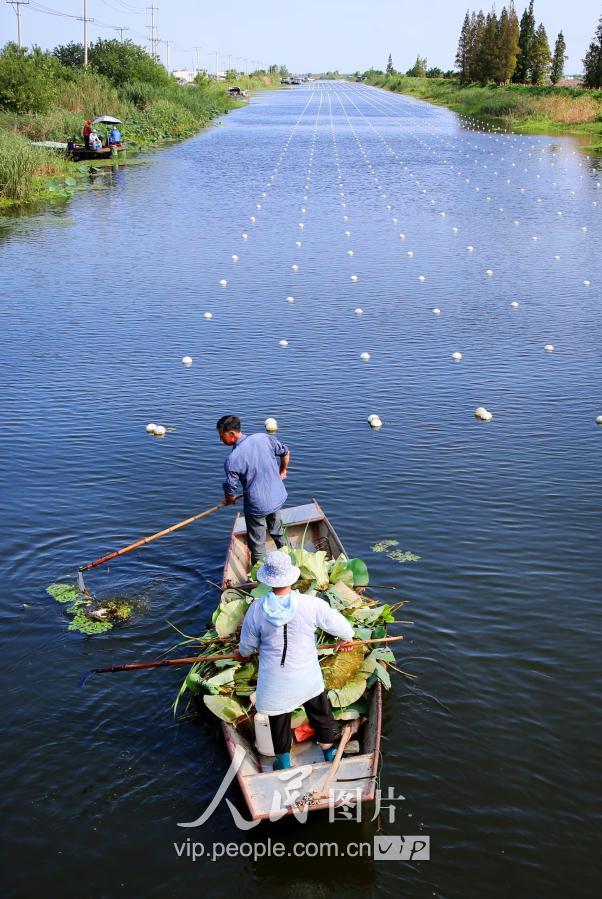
<point x="278" y="570"/>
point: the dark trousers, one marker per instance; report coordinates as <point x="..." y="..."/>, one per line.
<point x="319" y="713"/>
<point x="87" y="141"/>
<point x="257" y="528"/>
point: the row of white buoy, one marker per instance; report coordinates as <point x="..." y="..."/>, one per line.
<point x="391" y="150"/>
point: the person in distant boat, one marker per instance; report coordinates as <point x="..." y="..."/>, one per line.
<point x="115" y="136"/>
<point x="94" y="141"/>
<point x="86" y="133"/>
<point x="282" y="626"/>
<point x="256" y="466"/>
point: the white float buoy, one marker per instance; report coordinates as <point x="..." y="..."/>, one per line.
<point x="549" y="348"/>
<point x="295" y="268"/>
<point x="283" y="343"/>
<point x="489" y="272"/>
<point x="223" y="283"/>
<point x="234" y="257"/>
<point x="186" y="360"/>
<point x="354" y="277"/>
<point x="359" y="311"/>
<point x="436" y="311"/>
<point x="514" y="304"/>
<point x="375" y="422"/>
<point x="456" y="356"/>
<point x="290" y="299"/>
<point x="151" y="428"/>
<point x="482" y="413"/>
<point x="244" y="235"/>
<point x="421" y="278"/>
<point x="599" y="419"/>
<point x="207" y="315"/>
<point x="271" y="425"/>
<point x="350" y="252"/>
<point x="365" y="357"/>
<point x="587" y="283"/>
<point x="160" y="431"/>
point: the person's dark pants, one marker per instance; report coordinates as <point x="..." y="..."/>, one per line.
<point x="257" y="528"/>
<point x="319" y="714"/>
<point x="87" y="141"/>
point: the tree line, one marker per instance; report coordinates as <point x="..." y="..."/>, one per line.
<point x="502" y="49"/>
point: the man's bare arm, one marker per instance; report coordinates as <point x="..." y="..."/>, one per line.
<point x="284" y="461"/>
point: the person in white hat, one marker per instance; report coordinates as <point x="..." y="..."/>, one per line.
<point x="282" y="626"/>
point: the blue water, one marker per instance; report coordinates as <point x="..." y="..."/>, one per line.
<point x="495" y="746"/>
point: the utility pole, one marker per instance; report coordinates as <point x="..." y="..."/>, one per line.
<point x="17" y="5"/>
<point x="86" y="20"/>
<point x="229" y="61"/>
<point x="217" y="65"/>
<point x="197" y="50"/>
<point x="167" y="43"/>
<point x="121" y="30"/>
<point x="153" y="30"/>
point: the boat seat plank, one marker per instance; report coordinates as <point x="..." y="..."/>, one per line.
<point x="294" y="515"/>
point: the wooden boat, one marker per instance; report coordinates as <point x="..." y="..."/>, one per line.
<point x="78" y="153"/>
<point x="267" y="792"/>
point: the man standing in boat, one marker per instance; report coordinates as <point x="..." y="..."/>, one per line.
<point x="257" y="465"/>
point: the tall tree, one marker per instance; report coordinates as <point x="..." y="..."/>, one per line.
<point x="418" y="70"/>
<point x="557" y="69"/>
<point x="541" y="57"/>
<point x="486" y="55"/>
<point x="477" y="30"/>
<point x="507" y="45"/>
<point x="526" y="42"/>
<point x="593" y="60"/>
<point x="463" y="51"/>
<point x="390" y="69"/>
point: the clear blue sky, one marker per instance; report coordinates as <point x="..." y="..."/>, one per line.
<point x="307" y="35"/>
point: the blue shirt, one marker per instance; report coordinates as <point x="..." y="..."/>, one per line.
<point x="115" y="137"/>
<point x="254" y="466"/>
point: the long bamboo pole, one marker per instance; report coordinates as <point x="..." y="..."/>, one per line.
<point x="192" y="660"/>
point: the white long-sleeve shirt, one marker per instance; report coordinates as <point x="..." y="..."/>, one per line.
<point x="282" y="688"/>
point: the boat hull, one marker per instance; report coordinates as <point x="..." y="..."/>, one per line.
<point x="271" y="794"/>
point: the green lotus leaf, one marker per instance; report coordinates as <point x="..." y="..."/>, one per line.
<point x="350" y="693"/>
<point x="229" y="617"/>
<point x="224" y="707"/>
<point x="383" y="675"/>
<point x="359" y="569"/>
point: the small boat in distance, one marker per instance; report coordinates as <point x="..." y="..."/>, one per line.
<point x="269" y="792"/>
<point x="110" y="148"/>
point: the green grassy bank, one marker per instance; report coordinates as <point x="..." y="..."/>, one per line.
<point x="42" y="99"/>
<point x="526" y="108"/>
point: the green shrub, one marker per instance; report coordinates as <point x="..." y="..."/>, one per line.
<point x="26" y="80"/>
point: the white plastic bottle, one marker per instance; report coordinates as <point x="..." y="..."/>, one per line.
<point x="263" y="735"/>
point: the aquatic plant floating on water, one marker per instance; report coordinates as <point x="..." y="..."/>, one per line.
<point x="89" y="616"/>
<point x="398" y="555"/>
